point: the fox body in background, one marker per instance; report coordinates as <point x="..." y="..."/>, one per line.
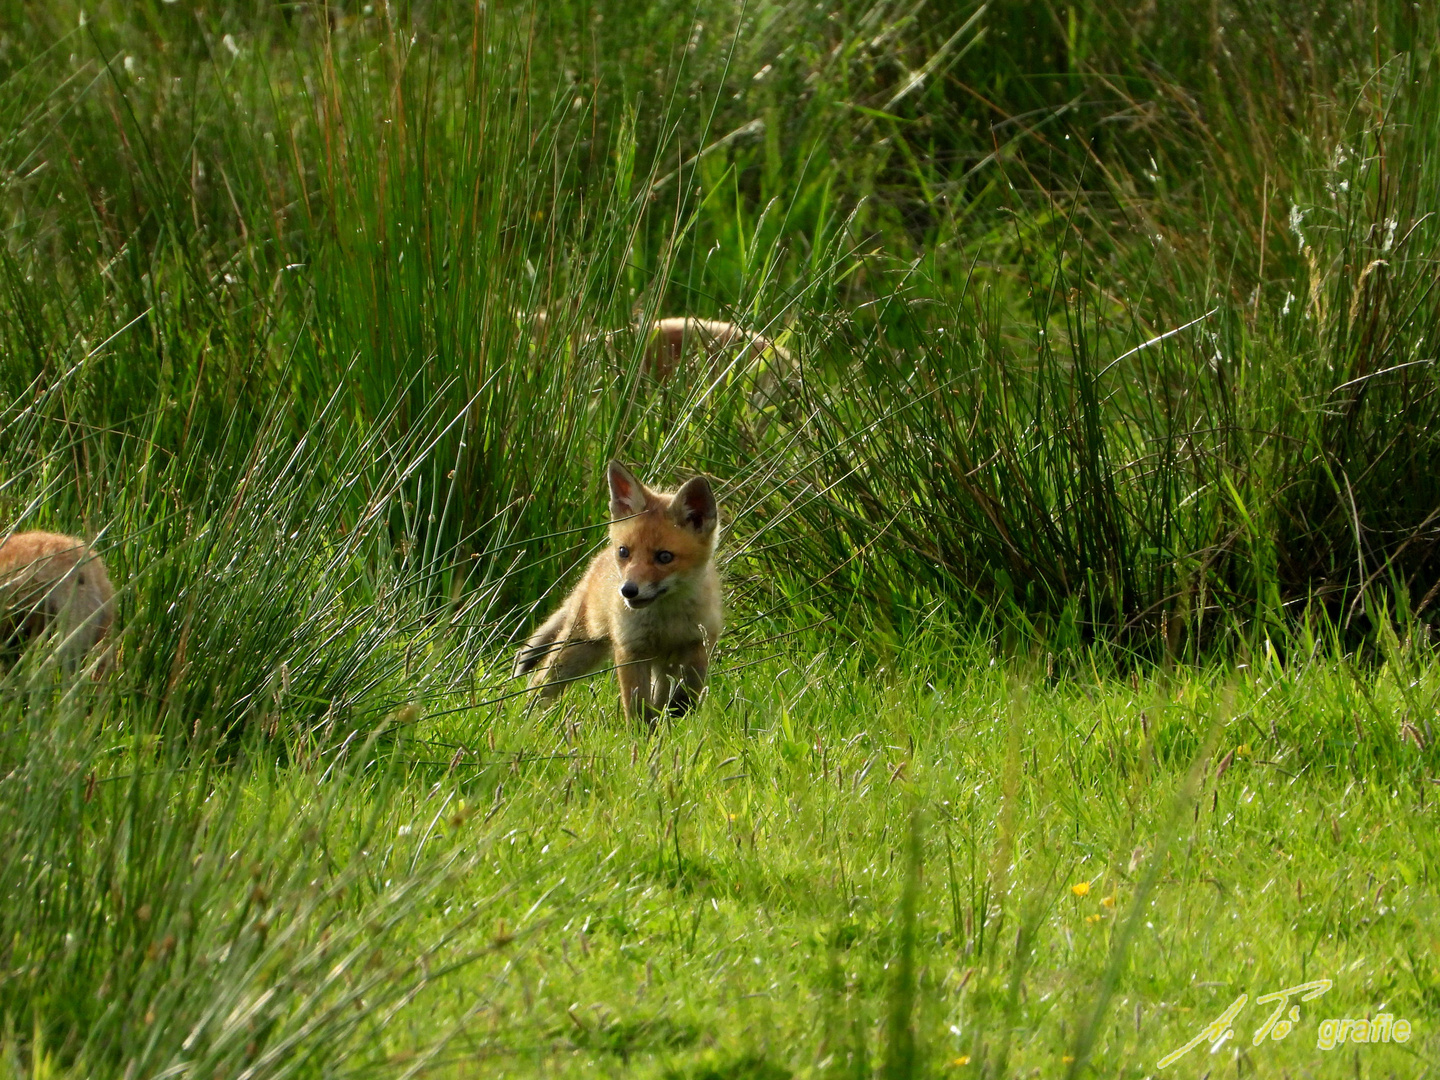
<point x="49" y="580"/>
<point x="673" y="341"/>
<point x="649" y="603"/>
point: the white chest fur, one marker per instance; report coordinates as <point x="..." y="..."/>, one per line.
<point x="673" y="622"/>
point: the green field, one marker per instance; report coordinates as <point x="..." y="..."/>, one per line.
<point x="1081" y="552"/>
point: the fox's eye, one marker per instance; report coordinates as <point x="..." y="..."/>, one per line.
<point x="623" y="552"/>
<point x="664" y="556"/>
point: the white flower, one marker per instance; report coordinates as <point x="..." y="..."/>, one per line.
<point x="1297" y="217"/>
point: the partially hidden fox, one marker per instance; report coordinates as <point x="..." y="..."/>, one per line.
<point x="674" y="341"/>
<point x="48" y="580"/>
<point x="649" y="603"/>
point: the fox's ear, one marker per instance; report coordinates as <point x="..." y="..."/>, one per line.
<point x="627" y="495"/>
<point x="694" y="505"/>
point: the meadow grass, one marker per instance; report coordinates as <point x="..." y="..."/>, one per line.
<point x="954" y="864"/>
<point x="1080" y="561"/>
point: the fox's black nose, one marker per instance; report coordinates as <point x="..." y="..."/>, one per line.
<point x="629" y="590"/>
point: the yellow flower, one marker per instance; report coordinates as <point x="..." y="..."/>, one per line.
<point x="1109" y="901"/>
<point x="1068" y="1060"/>
<point x="963" y="1059"/>
<point x="1081" y="888"/>
<point x="1243" y="750"/>
<point x="1092" y="918"/>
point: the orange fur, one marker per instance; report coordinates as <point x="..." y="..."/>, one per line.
<point x="650" y="603"/>
<point x="674" y="339"/>
<point x="50" y="580"/>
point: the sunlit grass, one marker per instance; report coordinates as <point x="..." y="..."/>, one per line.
<point x="1079" y="565"/>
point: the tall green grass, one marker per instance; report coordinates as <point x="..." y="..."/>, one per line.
<point x="980" y="232"/>
<point x="1112" y="340"/>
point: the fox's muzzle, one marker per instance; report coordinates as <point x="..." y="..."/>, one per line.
<point x="635" y="597"/>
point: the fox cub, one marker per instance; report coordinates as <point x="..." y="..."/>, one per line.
<point x="650" y="603"/>
<point x="46" y="580"/>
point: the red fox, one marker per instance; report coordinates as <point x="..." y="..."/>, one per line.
<point x="675" y="341"/>
<point x="672" y="339"/>
<point x="650" y="603"/>
<point x="46" y="580"/>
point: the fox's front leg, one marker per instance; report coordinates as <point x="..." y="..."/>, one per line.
<point x="636" y="679"/>
<point x="685" y="679"/>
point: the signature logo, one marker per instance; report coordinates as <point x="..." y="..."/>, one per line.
<point x="1286" y="1016"/>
